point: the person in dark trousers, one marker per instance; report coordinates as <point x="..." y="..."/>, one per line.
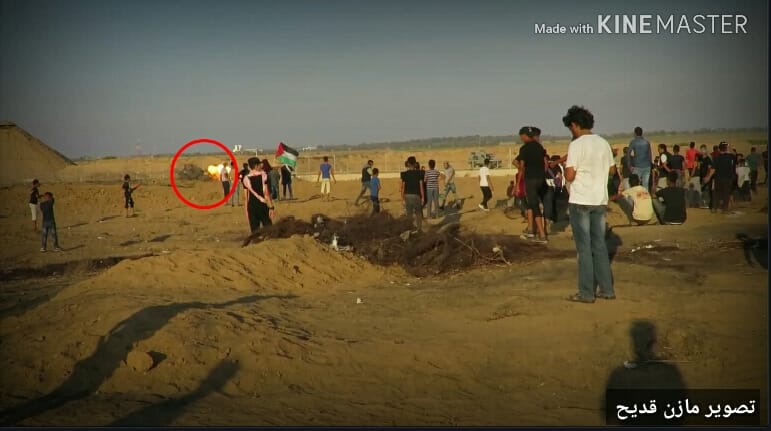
<point x="286" y="181"/>
<point x="485" y="184"/>
<point x="705" y="169"/>
<point x="128" y="192"/>
<point x="259" y="206"/>
<point x="366" y="176"/>
<point x="725" y="172"/>
<point x="412" y="192"/>
<point x="533" y="157"/>
<point x="34" y="202"/>
<point x="225" y="178"/>
<point x="49" y="222"/>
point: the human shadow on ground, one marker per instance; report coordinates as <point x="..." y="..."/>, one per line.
<point x="755" y="250"/>
<point x="165" y="412"/>
<point x="89" y="373"/>
<point x="634" y="381"/>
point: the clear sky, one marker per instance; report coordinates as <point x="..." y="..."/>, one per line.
<point x="96" y="77"/>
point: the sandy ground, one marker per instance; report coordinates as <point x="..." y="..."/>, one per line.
<point x="272" y="334"/>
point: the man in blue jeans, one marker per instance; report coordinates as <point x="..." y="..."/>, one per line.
<point x="640" y="157"/>
<point x="589" y="162"/>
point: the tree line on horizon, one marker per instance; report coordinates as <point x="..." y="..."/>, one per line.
<point x="478" y="140"/>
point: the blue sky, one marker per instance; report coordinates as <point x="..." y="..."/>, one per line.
<point x="95" y="77"/>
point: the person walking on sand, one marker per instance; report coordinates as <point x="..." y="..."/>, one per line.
<point x="326" y="173"/>
<point x="49" y="222"/>
<point x="225" y="178"/>
<point x="589" y="162"/>
<point x="128" y="192"/>
<point x="34" y="202"/>
<point x="259" y="205"/>
<point x="366" y="176"/>
<point x="486" y="185"/>
<point x="448" y="174"/>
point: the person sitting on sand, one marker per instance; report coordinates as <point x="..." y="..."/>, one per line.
<point x="636" y="202"/>
<point x="128" y="194"/>
<point x="671" y="203"/>
<point x="49" y="222"/>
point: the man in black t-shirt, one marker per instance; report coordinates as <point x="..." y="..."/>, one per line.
<point x="366" y="176"/>
<point x="412" y="192"/>
<point x="677" y="164"/>
<point x="532" y="155"/>
<point x="259" y="202"/>
<point x="725" y="173"/>
<point x="671" y="202"/>
<point x="49" y="222"/>
<point x="705" y="170"/>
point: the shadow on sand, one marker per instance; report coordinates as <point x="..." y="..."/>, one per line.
<point x="89" y="373"/>
<point x="640" y="377"/>
<point x="164" y="413"/>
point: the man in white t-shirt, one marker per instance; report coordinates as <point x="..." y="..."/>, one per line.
<point x="589" y="162"/>
<point x="486" y="185"/>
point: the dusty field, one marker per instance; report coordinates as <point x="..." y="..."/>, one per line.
<point x="272" y="334"/>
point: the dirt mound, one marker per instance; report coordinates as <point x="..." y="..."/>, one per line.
<point x="25" y="157"/>
<point x="385" y="240"/>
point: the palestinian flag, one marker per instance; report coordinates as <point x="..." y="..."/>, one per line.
<point x="286" y="155"/>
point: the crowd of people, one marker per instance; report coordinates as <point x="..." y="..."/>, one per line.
<point x="647" y="188"/>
